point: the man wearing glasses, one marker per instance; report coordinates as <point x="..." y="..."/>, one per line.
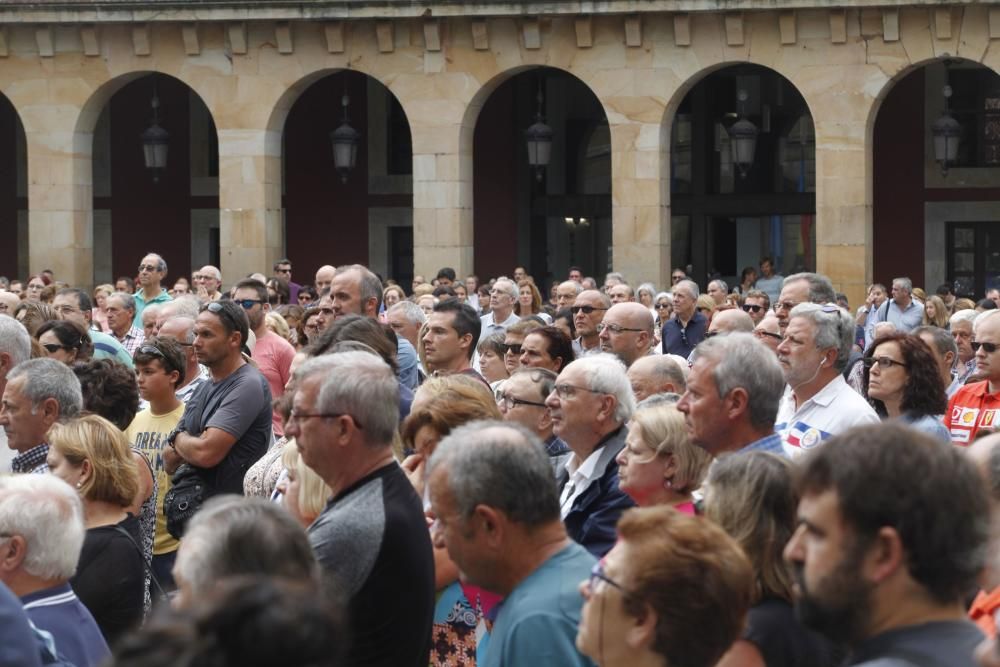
<point x="152" y="271"/>
<point x="588" y="311"/>
<point x="756" y="304"/>
<point x="818" y="403"/>
<point x="283" y="270"/>
<point x="626" y="332"/>
<point x="523" y="401"/>
<point x="75" y="305"/>
<point x="976" y="406"/>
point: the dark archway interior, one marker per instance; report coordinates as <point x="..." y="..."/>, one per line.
<point x="13" y="165"/>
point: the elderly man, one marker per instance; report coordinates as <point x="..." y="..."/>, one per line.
<point x="590" y="403"/>
<point x="945" y="353"/>
<point x="768" y="331"/>
<point x="566" y="293"/>
<point x="621" y="293"/>
<point x="729" y="321"/>
<point x="961" y="330"/>
<point x="656" y="374"/>
<point x="717" y="289"/>
<point x="41" y="535"/>
<point x="324" y="278"/>
<point x="497" y="513"/>
<point x="150" y="314"/>
<point x="902" y="310"/>
<point x="626" y="331"/>
<point x="226" y="426"/>
<point x="503" y="296"/>
<point x="802" y="288"/>
<point x="882" y="562"/>
<point x="756" y="304"/>
<point x="733" y="390"/>
<point x="235" y="537"/>
<point x="686" y="328"/>
<point x="208" y="282"/>
<point x="181" y="329"/>
<point x="406" y="318"/>
<point x="588" y="312"/>
<point x="372" y="536"/>
<point x="818" y="403"/>
<point x="8" y="302"/>
<point x="39" y="393"/>
<point x="15" y="347"/>
<point x="976" y="405"/>
<point x="522" y="400"/>
<point x="356" y="290"/>
<point x="452" y="332"/>
<point x="152" y="271"/>
<point x="120" y="308"/>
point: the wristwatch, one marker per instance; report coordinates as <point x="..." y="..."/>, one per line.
<point x="173" y="436"/>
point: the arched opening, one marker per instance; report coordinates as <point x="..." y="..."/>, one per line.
<point x="729" y="211"/>
<point x="543" y="219"/>
<point x="13" y="193"/>
<point x="360" y="215"/>
<point x="938" y="223"/>
<point x="172" y="209"/>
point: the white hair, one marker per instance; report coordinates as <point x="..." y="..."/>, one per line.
<point x="14" y="340"/>
<point x="410" y="310"/>
<point x="966" y="315"/>
<point x="982" y="317"/>
<point x="48" y="514"/>
<point x="605" y="374"/>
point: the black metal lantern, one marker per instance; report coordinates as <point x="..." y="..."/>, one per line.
<point x="155" y="142"/>
<point x="743" y="139"/>
<point x="345" y="140"/>
<point x="539" y="139"/>
<point x="947" y="133"/>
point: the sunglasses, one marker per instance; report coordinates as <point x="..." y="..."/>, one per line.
<point x="989" y="347"/>
<point x="587" y="310"/>
<point x="53" y="348"/>
<point x="760" y="333"/>
<point x="750" y="308"/>
<point x="151" y="349"/>
<point x="512" y="348"/>
<point x="220" y="311"/>
<point x="662" y="306"/>
<point x="248" y="303"/>
<point x="146" y="267"/>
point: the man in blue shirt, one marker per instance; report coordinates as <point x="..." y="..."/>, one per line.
<point x="686" y="328"/>
<point x="901" y="309"/>
<point x="497" y="514"/>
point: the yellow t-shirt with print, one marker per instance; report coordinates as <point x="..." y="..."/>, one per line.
<point x="148" y="434"/>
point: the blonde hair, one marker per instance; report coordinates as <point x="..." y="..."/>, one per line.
<point x="705" y="302"/>
<point x="940" y="312"/>
<point x="106" y="288"/>
<point x="662" y="429"/>
<point x="277" y="324"/>
<point x="313" y="491"/>
<point x="447" y="402"/>
<point x="92" y="438"/>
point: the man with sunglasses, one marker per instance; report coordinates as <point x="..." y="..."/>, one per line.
<point x="976" y="406"/>
<point x="756" y="303"/>
<point x="152" y="271"/>
<point x="588" y="311"/>
<point x="75" y="305"/>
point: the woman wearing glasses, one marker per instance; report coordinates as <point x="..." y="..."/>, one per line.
<point x="673" y="591"/>
<point x="901" y="381"/>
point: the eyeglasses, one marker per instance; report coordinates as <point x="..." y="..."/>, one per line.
<point x="566" y="390"/>
<point x="675" y="279"/>
<point x="248" y="303"/>
<point x="301" y="416"/>
<point x="760" y="333"/>
<point x="283" y="271"/>
<point x="751" y="308"/>
<point x="512" y="348"/>
<point x="885" y="362"/>
<point x="587" y="310"/>
<point x="614" y="328"/>
<point x="66" y="308"/>
<point x="785" y="305"/>
<point x="152" y="349"/>
<point x="147" y="267"/>
<point x="53" y="348"/>
<point x="508" y="402"/>
<point x="662" y="306"/>
<point x="597" y="574"/>
<point x="989" y="347"/>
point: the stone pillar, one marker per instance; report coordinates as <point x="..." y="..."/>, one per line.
<point x="251" y="233"/>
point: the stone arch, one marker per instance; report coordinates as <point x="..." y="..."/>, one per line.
<point x="13" y="181"/>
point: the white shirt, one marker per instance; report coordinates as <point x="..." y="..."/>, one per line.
<point x="834" y="409"/>
<point x="580" y="478"/>
<point x="6" y="453"/>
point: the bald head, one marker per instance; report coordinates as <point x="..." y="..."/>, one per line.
<point x="627" y="331"/>
<point x="324" y="276"/>
<point x="656" y="374"/>
<point x="566" y="293"/>
<point x="10" y="300"/>
<point x="726" y="321"/>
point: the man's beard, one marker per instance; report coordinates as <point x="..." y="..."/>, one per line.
<point x="840" y="607"/>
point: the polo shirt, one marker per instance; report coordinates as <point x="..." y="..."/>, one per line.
<point x="682" y="340"/>
<point x="141" y="303"/>
<point x="834" y="409"/>
<point x="772" y="444"/>
<point x="970" y="409"/>
<point x="489" y="326"/>
<point x="58" y="611"/>
<point x="906" y="320"/>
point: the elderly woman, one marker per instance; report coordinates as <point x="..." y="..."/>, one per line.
<point x="65" y="341"/>
<point x="547" y="347"/>
<point x="98" y="313"/>
<point x="901" y="381"/>
<point x="750" y="496"/>
<point x="674" y="590"/>
<point x="308" y="327"/>
<point x="303" y="493"/>
<point x="92" y="455"/>
<point x="658" y="464"/>
<point x="392" y="295"/>
<point x="663" y="308"/>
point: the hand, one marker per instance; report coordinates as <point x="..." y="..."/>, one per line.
<point x="171" y="460"/>
<point x="413" y="465"/>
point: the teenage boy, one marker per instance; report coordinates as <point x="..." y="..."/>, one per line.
<point x="159" y="367"/>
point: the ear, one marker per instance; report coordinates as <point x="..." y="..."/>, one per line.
<point x="266" y="307"/>
<point x="175" y="377"/>
<point x="371" y="306"/>
<point x="12" y="554"/>
<point x="465" y="341"/>
<point x="607" y="409"/>
<point x="670" y="467"/>
<point x="885" y="557"/>
<point x="642" y="631"/>
<point x="949" y="358"/>
<point x="50" y="410"/>
<point x="492" y="523"/>
<point x="737" y="403"/>
<point x="5" y="364"/>
<point x="86" y="469"/>
<point x="545" y="419"/>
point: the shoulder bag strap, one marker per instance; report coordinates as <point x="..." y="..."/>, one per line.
<point x="146" y="565"/>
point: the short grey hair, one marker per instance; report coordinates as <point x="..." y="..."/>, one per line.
<point x="188" y="322"/>
<point x="648" y="288"/>
<point x="14" y="340"/>
<point x="577" y="287"/>
<point x="359" y="384"/>
<point x="234" y="535"/>
<point x="542" y="378"/>
<point x="213" y="270"/>
<point x="904" y="283"/>
<point x="615" y="275"/>
<point x="185" y="305"/>
<point x="967" y="315"/>
<point x="605" y="374"/>
<point x="161" y="264"/>
<point x="820" y="288"/>
<point x="411" y="311"/>
<point x="501" y="465"/>
<point x="369" y="286"/>
<point x="983" y="316"/>
<point x="661" y="295"/>
<point x="690" y="286"/>
<point x="48" y="513"/>
<point x="834" y="328"/>
<point x="742" y="361"/>
<point x="512" y="290"/>
<point x="128" y="301"/>
<point x="944" y="342"/>
<point x="665" y="368"/>
<point x="721" y="284"/>
<point x="47" y="378"/>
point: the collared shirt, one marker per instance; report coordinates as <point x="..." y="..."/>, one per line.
<point x="771" y="444"/>
<point x="682" y="340"/>
<point x="185" y="393"/>
<point x="771" y="286"/>
<point x="489" y="326"/>
<point x="834" y="409"/>
<point x="580" y="351"/>
<point x="972" y="407"/>
<point x="132" y="339"/>
<point x="906" y="319"/>
<point x="32" y="460"/>
<point x="581" y="477"/>
<point x="555" y="446"/>
<point x="141" y="303"/>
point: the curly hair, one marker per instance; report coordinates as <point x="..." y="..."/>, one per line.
<point x="923" y="393"/>
<point x="109" y="390"/>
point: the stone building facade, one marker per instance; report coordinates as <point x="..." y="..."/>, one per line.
<point x="61" y="62"/>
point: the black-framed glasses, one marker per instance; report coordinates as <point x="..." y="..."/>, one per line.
<point x="785" y="305"/>
<point x="567" y="390"/>
<point x="302" y="416"/>
<point x="54" y="347"/>
<point x="614" y="328"/>
<point x="509" y="402"/>
<point x="247" y="304"/>
<point x="884" y="362"/>
<point x="752" y="308"/>
<point x="989" y="347"/>
<point x="152" y="349"/>
<point x="147" y="267"/>
<point x="587" y="310"/>
<point x="760" y="333"/>
<point x="597" y="574"/>
<point x="512" y="348"/>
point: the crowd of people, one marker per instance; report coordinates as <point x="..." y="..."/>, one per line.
<point x="450" y="473"/>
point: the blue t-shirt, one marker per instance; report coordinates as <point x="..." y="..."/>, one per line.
<point x="537" y="623"/>
<point x="58" y="611"/>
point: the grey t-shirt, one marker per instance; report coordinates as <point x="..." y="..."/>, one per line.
<point x="938" y="644"/>
<point x="239" y="404"/>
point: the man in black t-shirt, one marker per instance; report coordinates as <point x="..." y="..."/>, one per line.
<point x="372" y="537"/>
<point x="892" y="534"/>
<point x="226" y="426"/>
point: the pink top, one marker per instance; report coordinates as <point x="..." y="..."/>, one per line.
<point x="686" y="508"/>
